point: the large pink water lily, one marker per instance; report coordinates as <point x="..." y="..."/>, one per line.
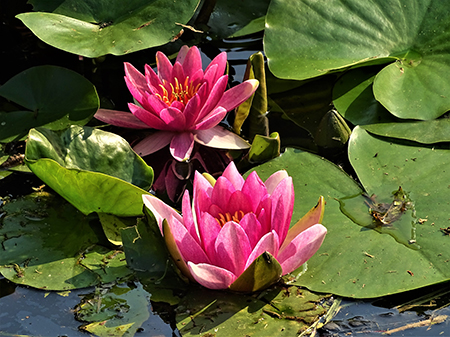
<point x="236" y="232"/>
<point x="184" y="102"/>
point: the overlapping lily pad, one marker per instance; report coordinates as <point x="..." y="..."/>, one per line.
<point x="96" y="28"/>
<point x="95" y="171"/>
<point x="357" y="261"/>
<point x="47" y="244"/>
<point x="306" y="38"/>
<point x="52" y="97"/>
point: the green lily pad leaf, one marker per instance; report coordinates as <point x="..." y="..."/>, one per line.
<point x="329" y="36"/>
<point x="229" y="20"/>
<point x="426" y="132"/>
<point x="53" y="97"/>
<point x="356" y="261"/>
<point x="332" y="132"/>
<point x="264" y="148"/>
<point x="353" y="98"/>
<point x="113" y="225"/>
<point x="115" y="311"/>
<point x="274" y="312"/>
<point x="147" y="255"/>
<point x="93" y="29"/>
<point x="94" y="170"/>
<point x="48" y="244"/>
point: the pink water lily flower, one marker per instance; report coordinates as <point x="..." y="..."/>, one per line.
<point x="184" y="102"/>
<point x="220" y="239"/>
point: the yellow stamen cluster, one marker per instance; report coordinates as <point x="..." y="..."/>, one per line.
<point x="181" y="92"/>
<point x="236" y="217"/>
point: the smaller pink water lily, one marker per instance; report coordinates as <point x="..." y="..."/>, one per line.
<point x="236" y="233"/>
<point x="184" y="102"/>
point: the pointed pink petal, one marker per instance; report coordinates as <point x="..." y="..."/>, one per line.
<point x="181" y="146"/>
<point x="191" y="111"/>
<point x="153" y="81"/>
<point x="178" y="73"/>
<point x="164" y="67"/>
<point x="232" y="248"/>
<point x="268" y="243"/>
<point x="189" y="248"/>
<point x="179" y="106"/>
<point x="147" y="117"/>
<point x="210" y="276"/>
<point x="209" y="229"/>
<point x="160" y="210"/>
<point x="239" y="202"/>
<point x="173" y="118"/>
<point x="302" y="248"/>
<point x="214" y="97"/>
<point x="120" y="118"/>
<point x="222" y="192"/>
<point x="188" y="217"/>
<point x="220" y="138"/>
<point x="232" y="174"/>
<point x="274" y="180"/>
<point x="282" y="207"/>
<point x="215" y="210"/>
<point x="192" y="62"/>
<point x="135" y="81"/>
<point x="238" y="94"/>
<point x="253" y="228"/>
<point x="214" y="118"/>
<point x="210" y="76"/>
<point x="202" y="194"/>
<point x="153" y="104"/>
<point x="182" y="54"/>
<point x="152" y="143"/>
<point x="221" y="62"/>
<point x="254" y="189"/>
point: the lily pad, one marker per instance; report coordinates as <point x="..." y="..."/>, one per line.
<point x="53" y="97"/>
<point x="356" y="261"/>
<point x="306" y="38"/>
<point x="275" y="312"/>
<point x="94" y="170"/>
<point x="48" y="244"/>
<point x="96" y="28"/>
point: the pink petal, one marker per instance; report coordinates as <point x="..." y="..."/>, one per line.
<point x="174" y="119"/>
<point x="268" y="243"/>
<point x="302" y="248"/>
<point x="135" y="81"/>
<point x="202" y="194"/>
<point x="239" y="202"/>
<point x="238" y="94"/>
<point x="188" y="217"/>
<point x="147" y="117"/>
<point x="282" y="207"/>
<point x="152" y="143"/>
<point x="210" y="76"/>
<point x="222" y="192"/>
<point x="153" y="104"/>
<point x="189" y="248"/>
<point x="192" y="62"/>
<point x="221" y="62"/>
<point x="254" y="189"/>
<point x="178" y="73"/>
<point x="232" y="248"/>
<point x="209" y="229"/>
<point x="160" y="210"/>
<point x="191" y="111"/>
<point x="220" y="138"/>
<point x="214" y="97"/>
<point x="210" y="276"/>
<point x="232" y="174"/>
<point x="182" y="54"/>
<point x="164" y="67"/>
<point x="179" y="106"/>
<point x="274" y="180"/>
<point x="181" y="146"/>
<point x="120" y="118"/>
<point x="253" y="228"/>
<point x="214" y="118"/>
<point x="153" y="81"/>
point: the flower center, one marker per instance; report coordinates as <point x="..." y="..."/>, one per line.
<point x="181" y="92"/>
<point x="236" y="217"/>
